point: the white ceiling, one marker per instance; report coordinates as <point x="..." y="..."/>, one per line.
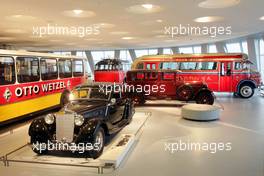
<point x="18" y="17"/>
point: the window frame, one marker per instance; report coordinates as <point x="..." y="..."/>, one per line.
<point x="65" y="75"/>
<point x="13" y="69"/>
<point x="46" y="70"/>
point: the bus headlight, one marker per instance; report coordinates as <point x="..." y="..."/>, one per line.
<point x="49" y="119"/>
<point x="78" y="120"/>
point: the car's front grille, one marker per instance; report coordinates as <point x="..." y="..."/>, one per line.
<point x="64" y="127"/>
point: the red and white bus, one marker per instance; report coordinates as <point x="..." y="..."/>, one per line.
<point x="109" y="70"/>
<point x="31" y="82"/>
<point x="221" y="72"/>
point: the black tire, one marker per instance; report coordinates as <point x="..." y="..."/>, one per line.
<point x="65" y="98"/>
<point x="205" y="97"/>
<point x="184" y="93"/>
<point x="246" y="91"/>
<point x="38" y="141"/>
<point x="98" y="142"/>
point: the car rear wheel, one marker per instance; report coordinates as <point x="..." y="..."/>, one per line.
<point x="98" y="143"/>
<point x="246" y="91"/>
<point x="205" y="97"/>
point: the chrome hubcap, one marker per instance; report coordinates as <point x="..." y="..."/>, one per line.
<point x="246" y="91"/>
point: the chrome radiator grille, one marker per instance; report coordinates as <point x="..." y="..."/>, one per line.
<point x="64" y="127"/>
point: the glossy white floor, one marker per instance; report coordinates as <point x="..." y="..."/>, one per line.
<point x="241" y="124"/>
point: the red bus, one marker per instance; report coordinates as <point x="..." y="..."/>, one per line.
<point x="109" y="70"/>
<point x="221" y="72"/>
<point x="31" y="82"/>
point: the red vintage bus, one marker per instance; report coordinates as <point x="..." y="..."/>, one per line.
<point x="109" y="70"/>
<point x="221" y="72"/>
<point x="31" y="82"/>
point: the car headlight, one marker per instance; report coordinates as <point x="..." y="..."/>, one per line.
<point x="49" y="119"/>
<point x="78" y="120"/>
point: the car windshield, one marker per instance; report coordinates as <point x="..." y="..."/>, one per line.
<point x="89" y="93"/>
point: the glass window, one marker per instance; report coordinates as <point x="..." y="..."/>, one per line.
<point x="78" y="68"/>
<point x="153" y="51"/>
<point x="48" y="69"/>
<point x="212" y="49"/>
<point x="167" y="51"/>
<point x="7" y="70"/>
<point x="206" y="66"/>
<point x="169" y="66"/>
<point x="188" y="66"/>
<point x="140" y="53"/>
<point x="65" y="68"/>
<point x="197" y="49"/>
<point x="27" y="69"/>
<point x="186" y="50"/>
<point x="140" y="66"/>
<point x="233" y="47"/>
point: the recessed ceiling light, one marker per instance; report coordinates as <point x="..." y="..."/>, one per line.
<point x="92" y="39"/>
<point x="15" y="31"/>
<point x="119" y="33"/>
<point x="208" y="19"/>
<point x="261" y="18"/>
<point x="147" y="6"/>
<point x="77" y="13"/>
<point x="6" y="38"/>
<point x="127" y="38"/>
<point x="159" y="21"/>
<point x="213" y="4"/>
<point x="144" y="8"/>
<point x="20" y="17"/>
<point x="105" y="25"/>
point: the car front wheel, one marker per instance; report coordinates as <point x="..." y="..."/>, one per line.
<point x="98" y="142"/>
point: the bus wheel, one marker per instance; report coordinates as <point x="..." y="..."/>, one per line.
<point x="246" y="91"/>
<point x="205" y="97"/>
<point x="65" y="98"/>
<point x="184" y="92"/>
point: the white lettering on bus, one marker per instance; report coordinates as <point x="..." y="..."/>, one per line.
<point x="19" y="92"/>
<point x="53" y="86"/>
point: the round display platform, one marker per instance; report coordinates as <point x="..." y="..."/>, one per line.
<point x="200" y="112"/>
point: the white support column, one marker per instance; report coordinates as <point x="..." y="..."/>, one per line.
<point x="117" y="54"/>
<point x="73" y="53"/>
<point x="132" y="54"/>
<point x="220" y="47"/>
<point x="252" y="55"/>
<point x="160" y="51"/>
<point x="204" y="48"/>
<point x="175" y="50"/>
<point x="89" y="56"/>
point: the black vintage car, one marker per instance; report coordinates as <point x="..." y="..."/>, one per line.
<point x="81" y="126"/>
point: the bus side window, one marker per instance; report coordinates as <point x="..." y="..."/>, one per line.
<point x="7" y="71"/>
<point x="78" y="68"/>
<point x="222" y="69"/>
<point x="238" y="66"/>
<point x="27" y="69"/>
<point x="65" y="68"/>
<point x="140" y="66"/>
<point x="49" y="69"/>
<point x="228" y="70"/>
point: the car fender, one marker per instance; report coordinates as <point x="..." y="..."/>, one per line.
<point x="38" y="127"/>
<point x="88" y="130"/>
